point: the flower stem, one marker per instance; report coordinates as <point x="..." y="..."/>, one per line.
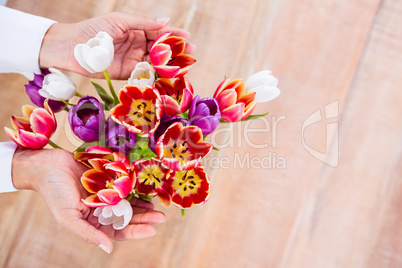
<point x="79" y="94"/>
<point x="66" y="103"/>
<point x="109" y="82"/>
<point x="183" y="212"/>
<point x="130" y="196"/>
<point x="54" y="145"/>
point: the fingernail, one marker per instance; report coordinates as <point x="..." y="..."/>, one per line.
<point x="162" y="20"/>
<point x="104" y="248"/>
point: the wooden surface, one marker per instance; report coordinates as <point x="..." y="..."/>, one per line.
<point x="301" y="213"/>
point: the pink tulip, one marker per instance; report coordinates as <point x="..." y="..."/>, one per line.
<point x="168" y="58"/>
<point x="234" y="102"/>
<point x="34" y="129"/>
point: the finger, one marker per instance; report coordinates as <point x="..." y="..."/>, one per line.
<point x="141" y="203"/>
<point x="136" y="231"/>
<point x="147" y="216"/>
<point x="147" y="58"/>
<point x="190" y="48"/>
<point x="152" y="35"/>
<point x="89" y="233"/>
<point x="142" y="22"/>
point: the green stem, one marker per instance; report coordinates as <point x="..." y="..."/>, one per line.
<point x="66" y="103"/>
<point x="54" y="145"/>
<point x="130" y="196"/>
<point x="79" y="94"/>
<point x="109" y="82"/>
<point x="183" y="212"/>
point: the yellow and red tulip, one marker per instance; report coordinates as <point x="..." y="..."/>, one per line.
<point x="181" y="148"/>
<point x="139" y="110"/>
<point x="234" y="102"/>
<point x="176" y="97"/>
<point x="35" y="128"/>
<point x="188" y="187"/>
<point x="168" y="58"/>
<point x="108" y="182"/>
<point x="151" y="175"/>
<point x="100" y="152"/>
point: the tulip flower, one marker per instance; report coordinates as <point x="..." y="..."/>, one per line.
<point x="234" y="102"/>
<point x="264" y="84"/>
<point x="176" y="97"/>
<point x="165" y="122"/>
<point x="33" y="88"/>
<point x="168" y="58"/>
<point x="181" y="148"/>
<point x="87" y="119"/>
<point x="118" y="215"/>
<point x="97" y="54"/>
<point x="139" y="110"/>
<point x="57" y="85"/>
<point x="108" y="182"/>
<point x="151" y="175"/>
<point x="101" y="152"/>
<point x="204" y="113"/>
<point x="187" y="187"/>
<point x="34" y="129"/>
<point x="143" y="75"/>
<point x="118" y="138"/>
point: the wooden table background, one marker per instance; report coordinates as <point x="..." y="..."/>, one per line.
<point x="301" y="214"/>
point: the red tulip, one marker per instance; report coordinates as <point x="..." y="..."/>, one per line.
<point x="108" y="182"/>
<point x="176" y="97"/>
<point x="168" y="58"/>
<point x="181" y="148"/>
<point x="139" y="110"/>
<point x="188" y="187"/>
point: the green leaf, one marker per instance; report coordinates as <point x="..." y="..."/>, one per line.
<point x="255" y="116"/>
<point x="106" y="98"/>
<point x="251" y="117"/>
<point x="184" y="115"/>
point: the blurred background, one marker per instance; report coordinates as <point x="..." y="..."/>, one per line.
<point x="317" y="183"/>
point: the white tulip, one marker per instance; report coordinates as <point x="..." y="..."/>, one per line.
<point x="57" y="85"/>
<point x="143" y="75"/>
<point x="119" y="215"/>
<point x="264" y="85"/>
<point x="97" y="54"/>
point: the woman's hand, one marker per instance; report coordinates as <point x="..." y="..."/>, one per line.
<point x="132" y="37"/>
<point x="56" y="176"/>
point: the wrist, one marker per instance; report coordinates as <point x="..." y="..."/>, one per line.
<point x="55" y="51"/>
<point x="27" y="167"/>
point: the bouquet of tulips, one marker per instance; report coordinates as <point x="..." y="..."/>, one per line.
<point x="147" y="140"/>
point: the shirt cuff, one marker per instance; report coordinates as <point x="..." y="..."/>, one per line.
<point x="22" y="36"/>
<point x="7" y="150"/>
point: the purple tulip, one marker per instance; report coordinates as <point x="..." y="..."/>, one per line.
<point x="118" y="138"/>
<point x="33" y="88"/>
<point x="165" y="123"/>
<point x="204" y="113"/>
<point x="87" y="119"/>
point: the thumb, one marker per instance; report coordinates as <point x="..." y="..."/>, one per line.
<point x="90" y="234"/>
<point x="142" y="22"/>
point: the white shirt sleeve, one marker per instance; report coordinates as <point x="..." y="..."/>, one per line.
<point x="7" y="150"/>
<point x="21" y="40"/>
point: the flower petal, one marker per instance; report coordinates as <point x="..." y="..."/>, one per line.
<point x="109" y="196"/>
<point x="93" y="201"/>
<point x="123" y="186"/>
<point x="32" y="140"/>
